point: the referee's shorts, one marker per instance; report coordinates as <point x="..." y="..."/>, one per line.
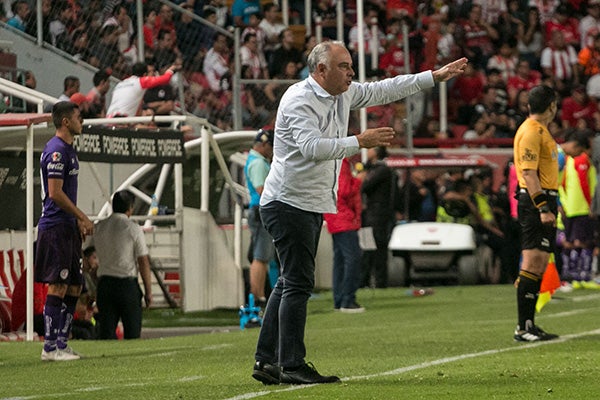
<point x="534" y="234"/>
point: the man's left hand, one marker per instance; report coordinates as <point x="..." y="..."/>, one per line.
<point x="450" y="70"/>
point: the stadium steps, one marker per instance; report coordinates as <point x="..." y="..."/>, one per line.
<point x="165" y="263"/>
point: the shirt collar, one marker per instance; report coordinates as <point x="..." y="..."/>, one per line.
<point x="318" y="89"/>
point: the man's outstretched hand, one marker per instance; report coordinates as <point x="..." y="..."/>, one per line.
<point x="450" y="70"/>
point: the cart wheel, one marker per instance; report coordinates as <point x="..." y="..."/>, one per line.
<point x="467" y="270"/>
<point x="397" y="273"/>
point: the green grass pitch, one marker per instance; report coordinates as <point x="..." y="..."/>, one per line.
<point x="455" y="344"/>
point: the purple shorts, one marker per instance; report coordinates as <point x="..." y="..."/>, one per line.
<point x="58" y="255"/>
<point x="580" y="228"/>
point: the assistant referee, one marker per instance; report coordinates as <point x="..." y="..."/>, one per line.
<point x="536" y="162"/>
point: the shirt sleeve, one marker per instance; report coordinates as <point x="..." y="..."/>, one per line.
<point x="139" y="246"/>
<point x="529" y="150"/>
<point x="147" y="82"/>
<point x="312" y="145"/>
<point x="257" y="173"/>
<point x="56" y="165"/>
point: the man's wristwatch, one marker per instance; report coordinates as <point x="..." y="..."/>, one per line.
<point x="544" y="209"/>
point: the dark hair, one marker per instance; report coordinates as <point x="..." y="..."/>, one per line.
<point x="162" y="33"/>
<point x="139" y="69"/>
<point x="100" y="76"/>
<point x="381" y="152"/>
<point x="122" y="201"/>
<point x="69" y="82"/>
<point x="88" y="251"/>
<point x="248" y="36"/>
<point x="268" y="6"/>
<point x="581" y="136"/>
<point x="540" y="99"/>
<point x="62" y="109"/>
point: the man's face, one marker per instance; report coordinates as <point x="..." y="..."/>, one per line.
<point x="573" y="149"/>
<point x="337" y="76"/>
<point x="74" y="123"/>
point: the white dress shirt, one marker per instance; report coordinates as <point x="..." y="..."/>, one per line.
<point x="311" y="138"/>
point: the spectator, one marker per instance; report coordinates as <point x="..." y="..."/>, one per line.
<point x="370" y="18"/>
<point x="286" y="52"/>
<point x="216" y="62"/>
<point x="97" y="95"/>
<point x="400" y="8"/>
<point x="161" y="99"/>
<point x="84" y="106"/>
<point x="58" y="26"/>
<point x="192" y="35"/>
<point x="253" y="27"/>
<point x="274" y="90"/>
<point x="123" y="254"/>
<point x="519" y="111"/>
<point x="80" y="45"/>
<point x="546" y="9"/>
<point x="467" y="91"/>
<point x="530" y="39"/>
<point x="90" y="271"/>
<point x="104" y="52"/>
<point x="164" y="21"/>
<point x="272" y="27"/>
<point x="578" y="109"/>
<point x="241" y="11"/>
<point x="222" y="11"/>
<point x="150" y="32"/>
<point x="70" y="87"/>
<point x="589" y="59"/>
<point x="504" y="60"/>
<point x="589" y="25"/>
<point x="378" y="190"/>
<point x="478" y="37"/>
<point x="343" y="227"/>
<point x="491" y="10"/>
<point x="215" y="108"/>
<point x="480" y="128"/>
<point x="207" y="32"/>
<point x="251" y="57"/>
<point x="262" y="250"/>
<point x="31" y="28"/>
<point x="417" y="200"/>
<point x="21" y="12"/>
<point x="524" y="79"/>
<point x="121" y="19"/>
<point x="559" y="63"/>
<point x="326" y="10"/>
<point x="561" y="21"/>
<point x="164" y="50"/>
<point x="494" y="80"/>
<point x="253" y="113"/>
<point x="128" y="94"/>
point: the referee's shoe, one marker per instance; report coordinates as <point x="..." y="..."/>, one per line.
<point x="533" y="334"/>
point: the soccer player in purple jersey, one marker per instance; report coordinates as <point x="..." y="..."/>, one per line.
<point x="61" y="229"/>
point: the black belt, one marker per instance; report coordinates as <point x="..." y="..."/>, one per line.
<point x="549" y="192"/>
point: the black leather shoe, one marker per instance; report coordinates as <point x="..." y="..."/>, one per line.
<point x="305" y="375"/>
<point x="266" y="373"/>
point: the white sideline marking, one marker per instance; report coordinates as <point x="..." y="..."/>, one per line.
<point x="427" y="364"/>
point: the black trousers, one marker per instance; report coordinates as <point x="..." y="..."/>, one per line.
<point x="119" y="298"/>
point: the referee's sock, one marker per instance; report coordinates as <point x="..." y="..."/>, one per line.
<point x="527" y="295"/>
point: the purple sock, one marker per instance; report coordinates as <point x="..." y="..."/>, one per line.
<point x="52" y="316"/>
<point x="66" y="321"/>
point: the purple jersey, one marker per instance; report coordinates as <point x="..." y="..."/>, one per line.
<point x="58" y="161"/>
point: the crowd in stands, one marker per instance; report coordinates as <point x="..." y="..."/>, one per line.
<point x="512" y="46"/>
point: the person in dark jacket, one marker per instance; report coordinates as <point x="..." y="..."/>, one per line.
<point x="378" y="190"/>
